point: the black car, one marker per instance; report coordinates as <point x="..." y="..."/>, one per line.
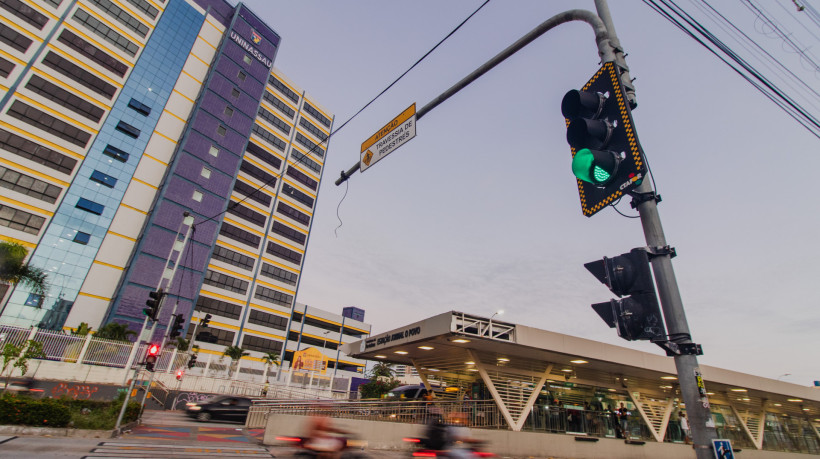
<point x="224" y="407"/>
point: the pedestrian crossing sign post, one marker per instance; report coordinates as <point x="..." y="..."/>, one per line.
<point x="390" y="137"/>
<point x="723" y="449"/>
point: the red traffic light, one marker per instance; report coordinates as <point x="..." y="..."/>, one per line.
<point x="153" y="350"/>
<point x="180" y="372"/>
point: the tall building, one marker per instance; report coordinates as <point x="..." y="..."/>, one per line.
<point x="119" y="116"/>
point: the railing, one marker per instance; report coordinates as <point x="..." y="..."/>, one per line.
<point x="472" y="413"/>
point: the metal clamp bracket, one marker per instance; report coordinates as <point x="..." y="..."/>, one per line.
<point x="640" y="198"/>
<point x="672" y="348"/>
<point x="662" y="252"/>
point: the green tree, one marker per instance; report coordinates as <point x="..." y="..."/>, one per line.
<point x="14" y="270"/>
<point x="235" y="353"/>
<point x="182" y="344"/>
<point x="383" y="369"/>
<point x="82" y="330"/>
<point x="270" y="359"/>
<point x="115" y="331"/>
<point x="20" y="355"/>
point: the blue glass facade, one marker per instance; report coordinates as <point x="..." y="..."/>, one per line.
<point x="72" y="239"/>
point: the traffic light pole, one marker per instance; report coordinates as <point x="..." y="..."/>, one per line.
<point x="701" y="424"/>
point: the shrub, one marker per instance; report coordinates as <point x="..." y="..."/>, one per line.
<point x="21" y="410"/>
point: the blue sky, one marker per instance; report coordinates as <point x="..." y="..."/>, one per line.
<point x="480" y="211"/>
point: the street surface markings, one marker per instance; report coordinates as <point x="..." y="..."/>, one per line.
<point x="138" y="450"/>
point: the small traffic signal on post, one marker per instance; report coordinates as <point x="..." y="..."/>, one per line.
<point x="192" y="361"/>
<point x="176" y="326"/>
<point x="180" y="373"/>
<point x="607" y="159"/>
<point x="154" y="304"/>
<point x="151" y="356"/>
<point x="637" y="316"/>
<point x="203" y="322"/>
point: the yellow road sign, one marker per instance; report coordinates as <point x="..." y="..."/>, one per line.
<point x="390" y="137"/>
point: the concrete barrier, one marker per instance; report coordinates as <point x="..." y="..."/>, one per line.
<point x="388" y="436"/>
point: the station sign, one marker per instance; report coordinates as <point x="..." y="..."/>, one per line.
<point x="390" y="137"/>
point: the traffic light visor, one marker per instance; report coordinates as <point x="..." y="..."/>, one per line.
<point x="582" y="104"/>
<point x="595" y="167"/>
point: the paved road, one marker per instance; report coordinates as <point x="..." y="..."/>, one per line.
<point x="163" y="434"/>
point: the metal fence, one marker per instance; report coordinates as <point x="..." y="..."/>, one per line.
<point x="472" y="413"/>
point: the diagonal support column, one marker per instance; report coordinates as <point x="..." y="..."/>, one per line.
<point x="421" y="375"/>
<point x="522" y="418"/>
<point x="761" y="424"/>
<point x="491" y="387"/>
<point x="657" y="432"/>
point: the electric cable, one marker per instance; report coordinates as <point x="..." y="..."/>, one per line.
<point x="233" y="204"/>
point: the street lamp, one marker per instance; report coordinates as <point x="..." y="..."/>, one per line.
<point x="497" y="313"/>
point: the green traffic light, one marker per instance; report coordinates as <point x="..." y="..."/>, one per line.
<point x="595" y="167"/>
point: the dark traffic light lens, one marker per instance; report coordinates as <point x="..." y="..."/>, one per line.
<point x="587" y="133"/>
<point x="581" y="104"/>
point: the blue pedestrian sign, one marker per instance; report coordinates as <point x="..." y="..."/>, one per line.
<point x="723" y="449"/>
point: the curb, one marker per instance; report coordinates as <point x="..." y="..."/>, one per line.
<point x="54" y="432"/>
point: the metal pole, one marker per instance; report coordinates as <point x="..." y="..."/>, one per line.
<point x="701" y="424"/>
<point x="601" y="39"/>
<point x="125" y="402"/>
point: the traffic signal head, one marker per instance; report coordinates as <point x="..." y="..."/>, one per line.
<point x="180" y="373"/>
<point x="151" y="356"/>
<point x="607" y="158"/>
<point x="176" y="326"/>
<point x="154" y="303"/>
<point x="203" y="322"/>
<point x="636" y="316"/>
<point x="192" y="361"/>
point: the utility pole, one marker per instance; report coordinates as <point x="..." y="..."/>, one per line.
<point x="681" y="345"/>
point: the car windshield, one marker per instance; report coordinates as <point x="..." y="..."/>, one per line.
<point x="407" y="393"/>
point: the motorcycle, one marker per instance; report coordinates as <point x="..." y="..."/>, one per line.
<point x="420" y="448"/>
<point x="350" y="448"/>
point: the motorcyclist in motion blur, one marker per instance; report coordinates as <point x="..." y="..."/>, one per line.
<point x="320" y="438"/>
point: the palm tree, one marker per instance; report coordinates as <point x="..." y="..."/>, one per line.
<point x="382" y="369"/>
<point x="114" y="331"/>
<point x="270" y="358"/>
<point x="235" y="353"/>
<point x="14" y="270"/>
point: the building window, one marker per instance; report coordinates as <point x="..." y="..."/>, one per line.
<point x="81" y="76"/>
<point x="292" y="213"/>
<point x="241" y="75"/>
<point x="284" y="253"/>
<point x="269" y="138"/>
<point x="273" y="296"/>
<point x="206" y="173"/>
<point x="197" y="196"/>
<point x="290" y="94"/>
<point x="14" y="39"/>
<point x="260" y="153"/>
<point x="22" y="183"/>
<point x="48" y="123"/>
<point x="226" y="282"/>
<point x="34" y="300"/>
<point x="238" y="234"/>
<point x="93" y="53"/>
<point x="128" y="130"/>
<point x="228" y="112"/>
<point x="297" y="195"/>
<point x="35" y="152"/>
<point x="252" y="192"/>
<point x="115" y="153"/>
<point x="20" y="220"/>
<point x="82" y="238"/>
<point x="104" y="179"/>
<point x="145" y="7"/>
<point x="213" y="151"/>
<point x="283" y="107"/>
<point x="139" y="107"/>
<point x="312" y="128"/>
<point x="307" y="162"/>
<point x="235" y="93"/>
<point x="221" y="130"/>
<point x="247" y="59"/>
<point x="220" y="308"/>
<point x="279" y="274"/>
<point x="90" y="206"/>
<point x="247" y="214"/>
<point x="317" y="114"/>
<point x="288" y="233"/>
<point x="25" y="12"/>
<point x="5" y="68"/>
<point x="259" y="344"/>
<point x="257" y="173"/>
<point x="123" y="17"/>
<point x="65" y="98"/>
<point x="303" y="178"/>
<point x="106" y="33"/>
<point x="272" y="119"/>
<point x="233" y="258"/>
<point x="313" y="147"/>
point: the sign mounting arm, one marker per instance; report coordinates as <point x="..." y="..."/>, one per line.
<point x="605" y="51"/>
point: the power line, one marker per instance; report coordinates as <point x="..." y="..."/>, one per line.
<point x="335" y="131"/>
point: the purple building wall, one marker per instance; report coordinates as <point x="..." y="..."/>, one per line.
<point x="246" y="35"/>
